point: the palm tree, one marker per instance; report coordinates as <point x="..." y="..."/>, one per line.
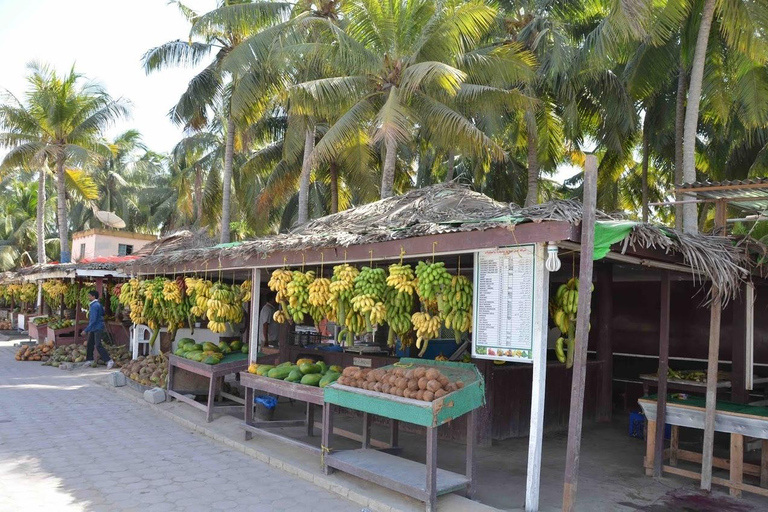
<point x="220" y="31"/>
<point x="396" y="68"/>
<point x="61" y="124"/>
<point x="18" y="210"/>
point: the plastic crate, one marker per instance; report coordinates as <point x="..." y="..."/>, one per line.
<point x="637" y="426"/>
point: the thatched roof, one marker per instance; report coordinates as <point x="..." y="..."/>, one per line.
<point x="449" y="208"/>
<point x="178" y="241"/>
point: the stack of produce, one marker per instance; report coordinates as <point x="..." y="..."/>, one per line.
<point x="421" y="383"/>
<point x="35" y="352"/>
<point x="305" y="371"/>
<point x="75" y="353"/>
<point x="208" y="352"/>
<point x="148" y="371"/>
<point x="42" y="320"/>
<point x="54" y="291"/>
<point x="6" y="325"/>
<point x="59" y="323"/>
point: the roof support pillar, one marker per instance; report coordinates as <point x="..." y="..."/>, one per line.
<point x="661" y="402"/>
<point x="604" y="289"/>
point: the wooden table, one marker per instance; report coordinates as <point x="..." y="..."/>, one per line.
<point x="652" y="381"/>
<point x="215" y="373"/>
<point x="738" y="420"/>
<point x="38" y="332"/>
<point x="424" y="482"/>
<point x="312" y="395"/>
<point x="67" y="335"/>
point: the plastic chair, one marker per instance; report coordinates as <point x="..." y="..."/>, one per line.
<point x="140" y="334"/>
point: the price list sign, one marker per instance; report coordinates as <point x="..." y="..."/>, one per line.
<point x="506" y="305"/>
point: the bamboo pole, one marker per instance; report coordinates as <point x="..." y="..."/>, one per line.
<point x="582" y="334"/>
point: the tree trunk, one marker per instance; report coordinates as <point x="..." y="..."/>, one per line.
<point x="451" y="166"/>
<point x="198" y="197"/>
<point x="679" y="120"/>
<point x="692" y="110"/>
<point x="306" y="172"/>
<point x="532" y="196"/>
<point x="61" y="207"/>
<point x="226" y="197"/>
<point x="41" y="216"/>
<point x="646" y="148"/>
<point x="334" y="170"/>
<point x="388" y="173"/>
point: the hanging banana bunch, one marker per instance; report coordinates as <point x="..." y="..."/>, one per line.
<point x="457" y="306"/>
<point x="563" y="311"/>
<point x="401" y="285"/>
<point x="340" y="302"/>
<point x="318" y="299"/>
<point x="431" y="280"/>
<point x="369" y="291"/>
<point x="278" y="283"/>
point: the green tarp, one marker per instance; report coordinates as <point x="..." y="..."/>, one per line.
<point x="608" y="233"/>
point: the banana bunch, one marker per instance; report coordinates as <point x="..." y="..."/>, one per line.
<point x="54" y="290"/>
<point x="297" y="292"/>
<point x="319" y="297"/>
<point x="172" y="292"/>
<point x="457" y="306"/>
<point x="432" y="279"/>
<point x="278" y="283"/>
<point x="223" y="307"/>
<point x="245" y="290"/>
<point x="401" y="285"/>
<point x="567" y="296"/>
<point x="28" y="293"/>
<point x="340" y="307"/>
<point x="427" y="327"/>
<point x="563" y="312"/>
<point x="401" y="278"/>
<point x="280" y="316"/>
<point x="370" y="289"/>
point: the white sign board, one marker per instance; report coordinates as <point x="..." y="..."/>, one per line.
<point x="508" y="307"/>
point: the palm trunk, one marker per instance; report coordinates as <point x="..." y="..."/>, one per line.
<point x="646" y="148"/>
<point x="679" y="120"/>
<point x="61" y="208"/>
<point x="226" y="198"/>
<point x="692" y="111"/>
<point x="198" y="197"/>
<point x="532" y="197"/>
<point x="388" y="173"/>
<point x="41" y="216"/>
<point x="334" y="171"/>
<point x="451" y="166"/>
<point x="306" y="172"/>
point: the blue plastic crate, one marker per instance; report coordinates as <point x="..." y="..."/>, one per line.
<point x="637" y="426"/>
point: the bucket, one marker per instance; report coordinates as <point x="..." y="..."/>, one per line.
<point x="264" y="409"/>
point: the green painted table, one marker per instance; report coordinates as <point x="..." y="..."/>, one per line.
<point x="235" y="362"/>
<point x="420" y="481"/>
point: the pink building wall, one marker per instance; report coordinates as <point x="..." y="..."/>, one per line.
<point x="102" y="242"/>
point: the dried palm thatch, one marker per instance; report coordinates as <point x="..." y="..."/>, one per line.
<point x="177" y="241"/>
<point x="449" y="208"/>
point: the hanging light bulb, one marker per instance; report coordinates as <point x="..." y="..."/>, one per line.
<point x="553" y="262"/>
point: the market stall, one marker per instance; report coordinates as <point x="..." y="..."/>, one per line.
<point x="214" y="375"/>
<point x="738" y="420"/>
<point x="458" y="390"/>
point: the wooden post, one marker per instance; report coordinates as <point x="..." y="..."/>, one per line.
<point x="764" y="463"/>
<point x="709" y="418"/>
<point x="739" y="393"/>
<point x="77" y="310"/>
<point x="661" y="402"/>
<point x="253" y="333"/>
<point x="650" y="447"/>
<point x="582" y="335"/>
<point x="737" y="462"/>
<point x="539" y="384"/>
<point x="721" y="215"/>
<point x="604" y="290"/>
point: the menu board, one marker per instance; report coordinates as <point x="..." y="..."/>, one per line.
<point x="506" y="303"/>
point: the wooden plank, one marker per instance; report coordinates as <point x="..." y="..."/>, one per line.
<point x="248" y="411"/>
<point x="310" y="422"/>
<point x="253" y="312"/>
<point x="711" y="188"/>
<point x="292" y="390"/>
<point x="661" y="403"/>
<point x="650" y="447"/>
<point x="277" y="423"/>
<point x="764" y="463"/>
<point x="274" y="435"/>
<point x="582" y="334"/>
<point x="325" y="445"/>
<point x="741" y="486"/>
<point x="366" y="430"/>
<point x="739" y="393"/>
<point x="431" y="459"/>
<point x="737" y="462"/>
<point x="538" y="391"/>
<point x="471" y="459"/>
<point x="375" y="443"/>
<point x="718" y="462"/>
<point x="709" y="419"/>
<point x="604" y="289"/>
<point x="721" y="215"/>
<point x="674" y="444"/>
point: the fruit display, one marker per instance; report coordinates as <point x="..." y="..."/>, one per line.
<point x="342" y="291"/>
<point x="76" y="353"/>
<point x="54" y="291"/>
<point x="148" y="370"/>
<point x="304" y="371"/>
<point x="42" y="320"/>
<point x="60" y="324"/>
<point x="694" y="375"/>
<point x="208" y="352"/>
<point x="5" y="325"/>
<point x="419" y="383"/>
<point x="35" y="352"/>
<point x="563" y="310"/>
<point x="401" y="285"/>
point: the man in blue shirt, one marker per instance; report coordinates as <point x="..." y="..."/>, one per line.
<point x="95" y="329"/>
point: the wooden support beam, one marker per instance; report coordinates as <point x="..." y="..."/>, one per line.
<point x="721" y="217"/>
<point x="737" y="462"/>
<point x="709" y="418"/>
<point x="739" y="393"/>
<point x="582" y="335"/>
<point x="604" y="289"/>
<point x="764" y="463"/>
<point x="661" y="402"/>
